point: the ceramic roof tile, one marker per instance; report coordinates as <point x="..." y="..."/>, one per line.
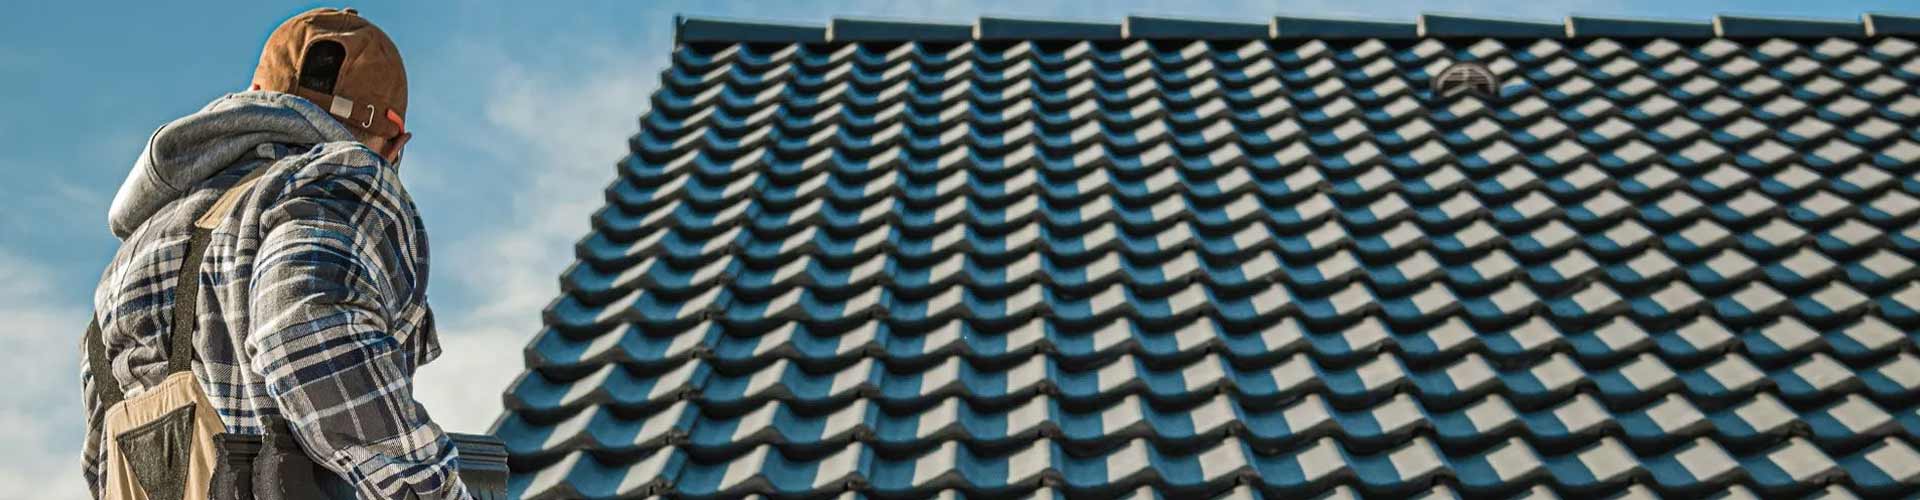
<point x="1026" y="258"/>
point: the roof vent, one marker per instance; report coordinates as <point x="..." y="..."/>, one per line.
<point x="1464" y="76"/>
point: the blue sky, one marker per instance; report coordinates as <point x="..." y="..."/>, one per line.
<point x="520" y="110"/>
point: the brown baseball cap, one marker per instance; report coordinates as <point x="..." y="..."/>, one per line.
<point x="353" y="69"/>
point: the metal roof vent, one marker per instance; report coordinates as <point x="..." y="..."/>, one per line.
<point x="1464" y="76"/>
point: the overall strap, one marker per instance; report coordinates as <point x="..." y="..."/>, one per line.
<point x="186" y="295"/>
<point x="97" y="363"/>
<point x="186" y="292"/>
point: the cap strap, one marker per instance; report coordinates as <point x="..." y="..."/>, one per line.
<point x="364" y="116"/>
<point x="341" y="107"/>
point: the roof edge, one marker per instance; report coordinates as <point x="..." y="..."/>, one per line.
<point x="690" y="29"/>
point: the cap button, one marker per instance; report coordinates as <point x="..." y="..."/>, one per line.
<point x="351" y="10"/>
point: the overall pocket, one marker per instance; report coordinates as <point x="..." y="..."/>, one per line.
<point x="159" y="452"/>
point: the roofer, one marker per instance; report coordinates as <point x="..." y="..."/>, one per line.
<point x="303" y="314"/>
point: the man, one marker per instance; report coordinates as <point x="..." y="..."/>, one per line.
<point x="308" y="313"/>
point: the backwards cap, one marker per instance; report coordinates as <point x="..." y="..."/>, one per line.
<point x="367" y="89"/>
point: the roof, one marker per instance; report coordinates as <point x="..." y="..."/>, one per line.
<point x="1027" y="257"/>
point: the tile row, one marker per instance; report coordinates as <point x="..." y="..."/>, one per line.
<point x="1607" y="467"/>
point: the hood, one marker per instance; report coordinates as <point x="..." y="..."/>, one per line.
<point x="195" y="147"/>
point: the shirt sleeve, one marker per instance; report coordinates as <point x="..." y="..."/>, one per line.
<point x="339" y="323"/>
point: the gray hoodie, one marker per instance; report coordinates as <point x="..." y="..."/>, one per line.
<point x="197" y="146"/>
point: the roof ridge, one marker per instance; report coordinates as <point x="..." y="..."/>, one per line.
<point x="1157" y="26"/>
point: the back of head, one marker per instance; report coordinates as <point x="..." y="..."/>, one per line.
<point x="341" y="62"/>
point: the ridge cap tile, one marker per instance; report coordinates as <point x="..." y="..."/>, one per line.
<point x="1284" y="27"/>
<point x="1882" y="25"/>
<point x="864" y="29"/>
<point x="1630" y="27"/>
<point x="1149" y="27"/>
<point x="1745" y="26"/>
<point x="1014" y="28"/>
<point x="1440" y="25"/>
<point x="720" y="29"/>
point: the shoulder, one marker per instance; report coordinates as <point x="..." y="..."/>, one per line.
<point x="345" y="178"/>
<point x="343" y="170"/>
<point x="346" y="153"/>
<point x="335" y="162"/>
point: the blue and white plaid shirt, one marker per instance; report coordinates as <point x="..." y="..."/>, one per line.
<point x="312" y="309"/>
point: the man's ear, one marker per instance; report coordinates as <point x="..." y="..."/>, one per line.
<point x="392" y="151"/>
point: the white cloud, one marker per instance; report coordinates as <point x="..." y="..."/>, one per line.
<point x="567" y="130"/>
<point x="41" y="426"/>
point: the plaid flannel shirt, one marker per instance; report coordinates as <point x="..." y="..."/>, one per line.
<point x="312" y="310"/>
